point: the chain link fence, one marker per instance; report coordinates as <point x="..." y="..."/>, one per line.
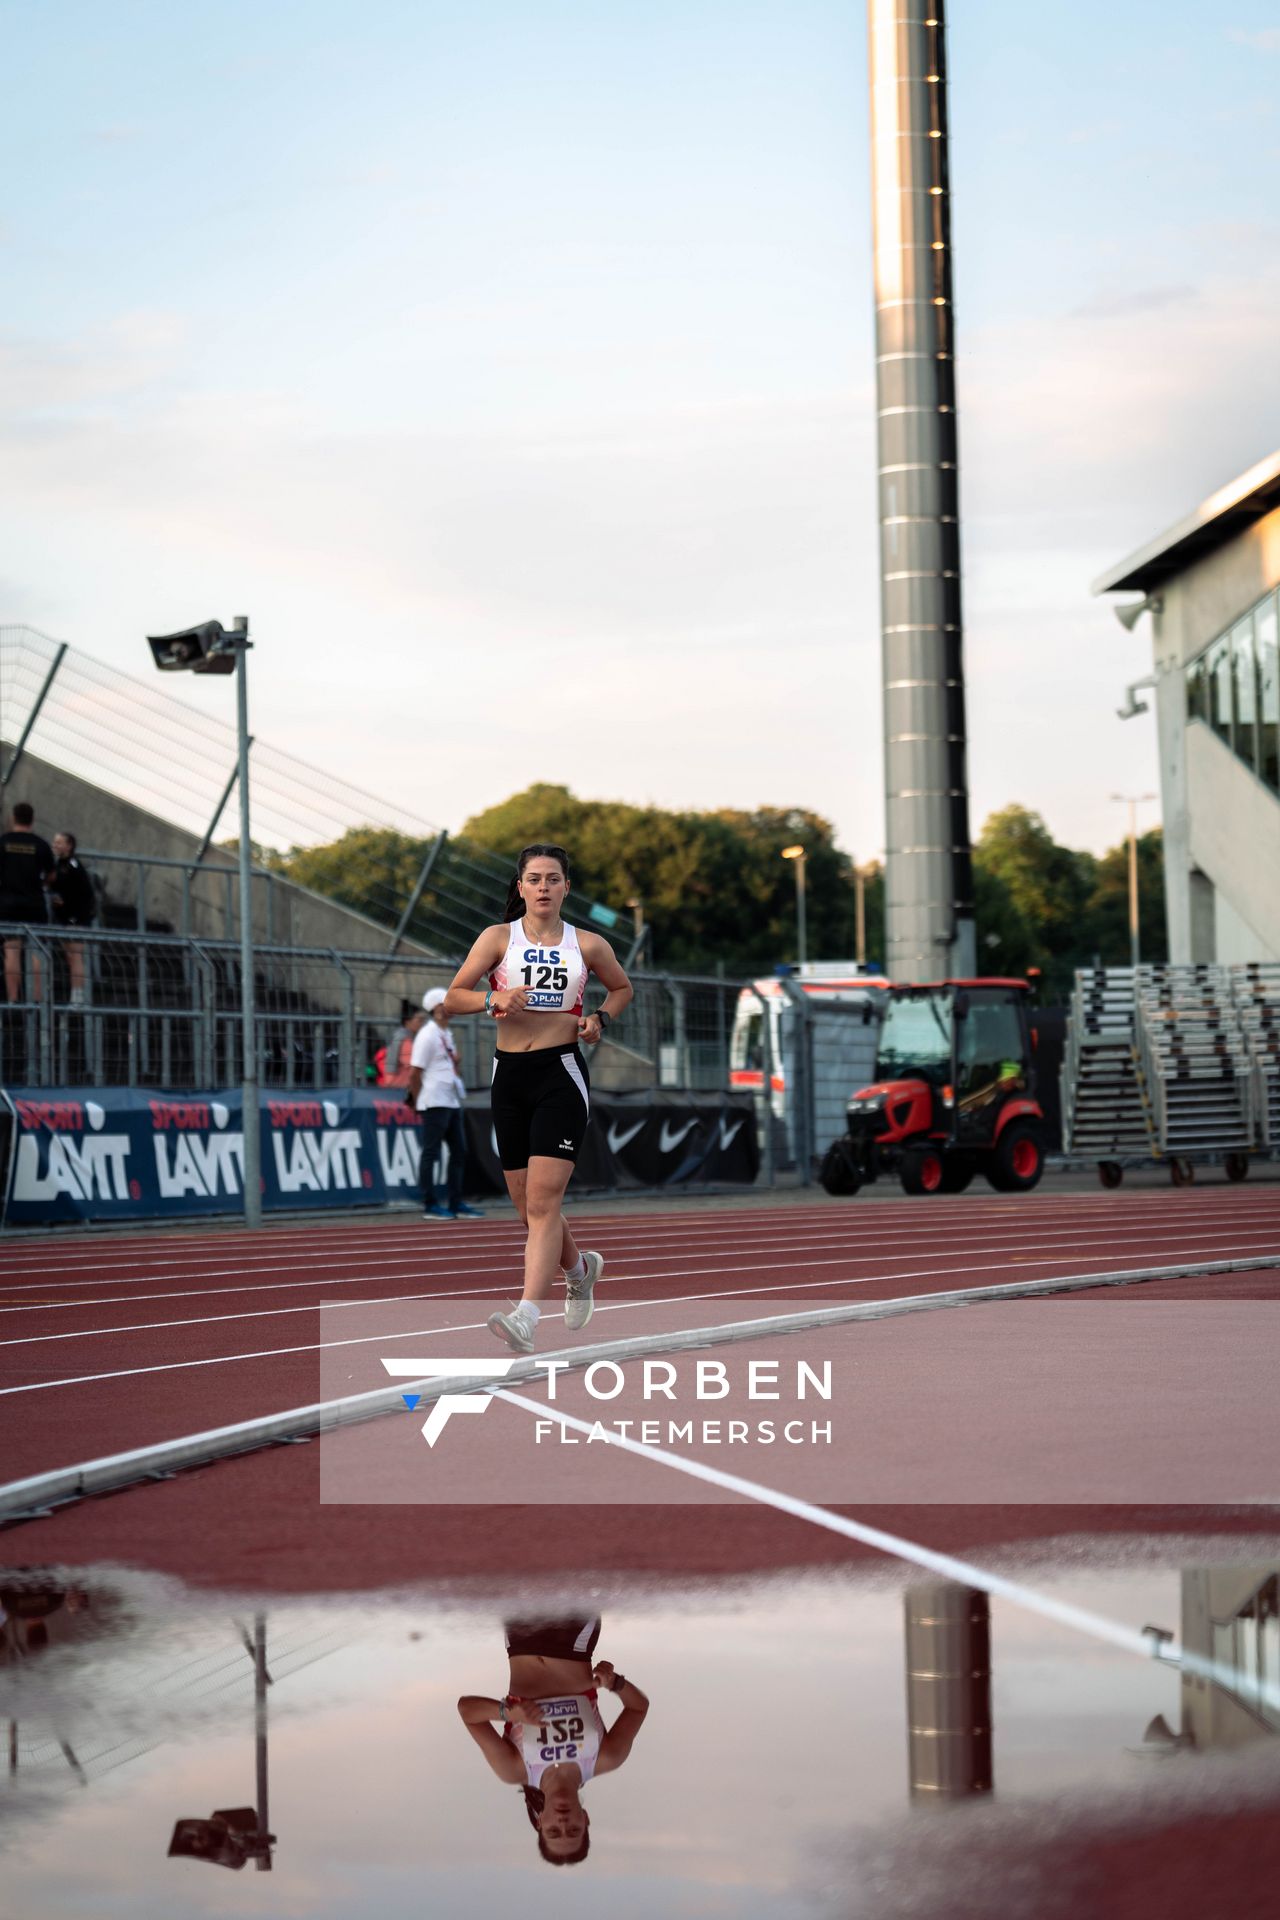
<point x="97" y="1008"/>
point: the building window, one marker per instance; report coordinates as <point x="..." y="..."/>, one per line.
<point x="1218" y="668"/>
<point x="1197" y="692"/>
<point x="1268" y="694"/>
<point x="1246" y="691"/>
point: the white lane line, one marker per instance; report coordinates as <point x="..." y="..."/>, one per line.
<point x="949" y="1566"/>
<point x="1247" y="1264"/>
<point x="976" y="1216"/>
<point x="963" y="1259"/>
<point x="870" y="1246"/>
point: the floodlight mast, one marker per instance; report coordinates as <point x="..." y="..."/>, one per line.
<point x="929" y="930"/>
<point x="251" y="1112"/>
<point x="212" y="648"/>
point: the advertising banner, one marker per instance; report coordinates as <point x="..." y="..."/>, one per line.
<point x="122" y="1153"/>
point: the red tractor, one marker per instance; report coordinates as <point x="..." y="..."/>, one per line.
<point x="954" y="1096"/>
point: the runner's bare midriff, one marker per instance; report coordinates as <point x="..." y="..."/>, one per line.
<point x="536" y="1676"/>
<point x="531" y="1032"/>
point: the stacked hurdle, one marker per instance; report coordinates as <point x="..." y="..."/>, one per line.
<point x="1256" y="993"/>
<point x="1175" y="1064"/>
<point x="1104" y="1116"/>
<point x="1195" y="1067"/>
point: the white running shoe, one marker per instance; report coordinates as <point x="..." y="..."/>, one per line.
<point x="578" y="1303"/>
<point x="514" y="1329"/>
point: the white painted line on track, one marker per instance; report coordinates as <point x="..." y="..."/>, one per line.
<point x="34" y="1496"/>
<point x="749" y="1220"/>
<point x="862" y="1246"/>
<point x="1253" y="1263"/>
<point x="965" y="1572"/>
<point x="1199" y="1247"/>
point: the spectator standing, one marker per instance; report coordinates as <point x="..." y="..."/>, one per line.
<point x="437" y="1090"/>
<point x="71" y="904"/>
<point x="398" y="1063"/>
<point x="26" y="864"/>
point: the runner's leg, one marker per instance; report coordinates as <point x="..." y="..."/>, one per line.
<point x="545" y="1182"/>
<point x="516" y="1180"/>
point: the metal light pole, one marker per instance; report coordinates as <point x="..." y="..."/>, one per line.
<point x="250" y="1114"/>
<point x="797" y="854"/>
<point x="212" y="648"/>
<point x="1133" y="801"/>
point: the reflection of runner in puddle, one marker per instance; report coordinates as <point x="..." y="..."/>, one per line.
<point x="549" y="1738"/>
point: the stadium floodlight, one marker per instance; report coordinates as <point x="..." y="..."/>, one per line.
<point x="1133" y="610"/>
<point x="213" y="648"/>
<point x="229" y="1838"/>
<point x="208" y="648"/>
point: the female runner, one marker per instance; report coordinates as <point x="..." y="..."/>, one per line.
<point x="537" y="965"/>
<point x="550" y="1738"/>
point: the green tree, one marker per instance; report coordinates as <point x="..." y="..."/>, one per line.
<point x="372" y="869"/>
<point x="1049" y="886"/>
<point x="1107" y="914"/>
<point x="713" y="886"/>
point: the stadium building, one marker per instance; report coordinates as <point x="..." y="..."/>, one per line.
<point x="1210" y="586"/>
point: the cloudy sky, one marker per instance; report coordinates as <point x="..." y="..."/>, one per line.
<point x="510" y="363"/>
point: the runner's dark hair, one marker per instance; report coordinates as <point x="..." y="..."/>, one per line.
<point x="534" y="1801"/>
<point x="541" y="850"/>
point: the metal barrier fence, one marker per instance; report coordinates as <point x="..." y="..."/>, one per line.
<point x="156" y="1010"/>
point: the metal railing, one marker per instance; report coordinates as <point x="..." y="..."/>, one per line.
<point x="97" y="1007"/>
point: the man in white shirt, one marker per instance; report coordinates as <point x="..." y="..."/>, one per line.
<point x="438" y="1090"/>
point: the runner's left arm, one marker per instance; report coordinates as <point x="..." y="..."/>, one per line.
<point x="617" y="1743"/>
<point x="609" y="971"/>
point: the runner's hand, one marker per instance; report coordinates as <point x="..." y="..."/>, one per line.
<point x="524" y="1712"/>
<point x="508" y="1000"/>
<point x="602" y="1673"/>
<point x="590" y="1031"/>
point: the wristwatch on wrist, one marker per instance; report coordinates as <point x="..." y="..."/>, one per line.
<point x="603" y="1017"/>
<point x="619" y="1682"/>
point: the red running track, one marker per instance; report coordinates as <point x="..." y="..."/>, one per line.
<point x="113" y="1344"/>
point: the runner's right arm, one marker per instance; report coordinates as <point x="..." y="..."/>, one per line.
<point x="464" y="996"/>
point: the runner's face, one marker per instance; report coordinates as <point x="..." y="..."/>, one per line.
<point x="562" y="1830"/>
<point x="543" y="887"/>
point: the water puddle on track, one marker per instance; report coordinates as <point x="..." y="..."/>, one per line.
<point x="828" y="1744"/>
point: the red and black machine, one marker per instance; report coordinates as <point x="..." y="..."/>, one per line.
<point x="954" y="1094"/>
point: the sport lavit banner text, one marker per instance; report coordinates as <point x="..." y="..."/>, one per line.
<point x="124" y="1153"/>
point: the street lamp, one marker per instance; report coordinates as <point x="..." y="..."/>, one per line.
<point x="797" y="854"/>
<point x="1133" y="801"/>
<point x="210" y="648"/>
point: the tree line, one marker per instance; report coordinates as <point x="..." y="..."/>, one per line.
<point x="714" y="890"/>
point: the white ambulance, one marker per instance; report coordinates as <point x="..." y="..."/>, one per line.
<point x="842" y="1054"/>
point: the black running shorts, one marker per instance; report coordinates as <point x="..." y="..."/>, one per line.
<point x="541" y="1104"/>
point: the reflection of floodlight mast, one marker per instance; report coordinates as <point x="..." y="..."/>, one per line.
<point x="233" y="1835"/>
<point x="948" y="1634"/>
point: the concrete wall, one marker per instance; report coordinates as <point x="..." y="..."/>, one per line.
<point x="287" y="915"/>
<point x="1221" y="825"/>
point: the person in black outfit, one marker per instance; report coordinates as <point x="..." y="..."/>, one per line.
<point x="71" y="904"/>
<point x="26" y="862"/>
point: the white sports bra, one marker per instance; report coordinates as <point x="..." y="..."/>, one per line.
<point x="555" y="976"/>
<point x="571" y="1729"/>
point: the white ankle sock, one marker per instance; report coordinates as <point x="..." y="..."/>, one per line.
<point x="529" y="1311"/>
<point x="578" y="1272"/>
